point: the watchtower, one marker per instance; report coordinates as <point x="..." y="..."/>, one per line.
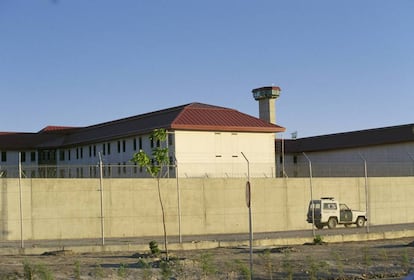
<point x="266" y="97"/>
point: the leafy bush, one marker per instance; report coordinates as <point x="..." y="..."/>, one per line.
<point x="318" y="240"/>
<point x="153" y="245"/>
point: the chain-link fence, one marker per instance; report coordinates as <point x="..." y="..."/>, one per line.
<point x="348" y="169"/>
<point x="184" y="170"/>
<point x="216" y="170"/>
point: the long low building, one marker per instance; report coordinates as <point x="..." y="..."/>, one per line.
<point x="386" y="151"/>
<point x="203" y="141"/>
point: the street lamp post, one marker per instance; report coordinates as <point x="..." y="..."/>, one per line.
<point x="249" y="205"/>
<point x="311" y="194"/>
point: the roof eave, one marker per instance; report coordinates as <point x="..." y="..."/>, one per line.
<point x="227" y="128"/>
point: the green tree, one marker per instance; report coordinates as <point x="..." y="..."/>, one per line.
<point x="154" y="164"/>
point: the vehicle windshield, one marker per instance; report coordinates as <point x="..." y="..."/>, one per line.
<point x="344" y="207"/>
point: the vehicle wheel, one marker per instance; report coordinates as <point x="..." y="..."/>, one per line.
<point x="319" y="226"/>
<point x="332" y="223"/>
<point x="360" y="222"/>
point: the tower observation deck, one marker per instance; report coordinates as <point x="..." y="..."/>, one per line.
<point x="266" y="97"/>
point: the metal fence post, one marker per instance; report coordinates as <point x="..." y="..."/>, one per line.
<point x="102" y="199"/>
<point x="180" y="238"/>
<point x="366" y="191"/>
<point x="21" y="201"/>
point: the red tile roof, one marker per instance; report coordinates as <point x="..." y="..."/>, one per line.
<point x="55" y="128"/>
<point x="198" y="116"/>
<point x="193" y="116"/>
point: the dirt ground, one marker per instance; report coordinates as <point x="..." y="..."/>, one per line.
<point x="385" y="259"/>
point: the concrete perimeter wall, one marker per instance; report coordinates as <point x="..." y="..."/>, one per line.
<point x="71" y="208"/>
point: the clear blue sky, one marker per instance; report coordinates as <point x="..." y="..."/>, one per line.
<point x="342" y="65"/>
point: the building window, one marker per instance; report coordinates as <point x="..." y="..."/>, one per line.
<point x="119" y="147"/>
<point x="140" y="143"/>
<point x="123" y="146"/>
<point x="33" y="156"/>
<point x="23" y="156"/>
<point x="170" y="139"/>
<point x="152" y="143"/>
<point x="61" y="155"/>
<point x="171" y="162"/>
<point x="90" y="151"/>
<point x="295" y="159"/>
<point x="109" y="148"/>
<point x="69" y="154"/>
<point x="104" y="149"/>
<point x="134" y="144"/>
<point x="3" y="156"/>
<point x="79" y="153"/>
<point x="94" y="150"/>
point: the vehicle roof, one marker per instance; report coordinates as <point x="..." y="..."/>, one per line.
<point x="324" y="199"/>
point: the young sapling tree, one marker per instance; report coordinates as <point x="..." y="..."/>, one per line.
<point x="154" y="164"/>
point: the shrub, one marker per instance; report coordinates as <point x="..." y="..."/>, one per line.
<point x="318" y="240"/>
<point x="153" y="245"/>
<point x="28" y="270"/>
<point x="207" y="265"/>
<point x="77" y="270"/>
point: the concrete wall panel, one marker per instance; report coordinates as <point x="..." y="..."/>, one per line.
<point x="71" y="208"/>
